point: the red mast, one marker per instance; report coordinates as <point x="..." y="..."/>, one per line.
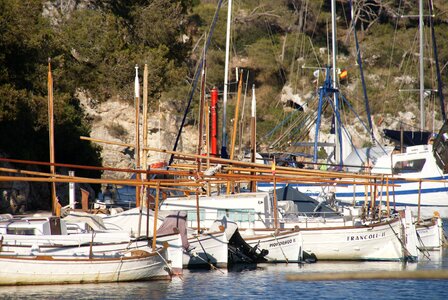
<point x="214" y="122"/>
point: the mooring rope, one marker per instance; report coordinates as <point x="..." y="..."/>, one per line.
<point x="274" y="235"/>
<point x="408" y="256"/>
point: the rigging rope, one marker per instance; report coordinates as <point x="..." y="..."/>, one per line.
<point x="195" y="80"/>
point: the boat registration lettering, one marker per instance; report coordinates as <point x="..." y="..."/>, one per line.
<point x="280" y="243"/>
<point x="363" y="237"/>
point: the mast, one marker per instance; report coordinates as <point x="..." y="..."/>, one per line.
<point x="436" y="58"/>
<point x="54" y="200"/>
<point x="237" y="107"/>
<point x="137" y="134"/>
<point x="201" y="113"/>
<point x="422" y="84"/>
<point x="226" y="75"/>
<point x="253" y="136"/>
<point x="338" y="149"/>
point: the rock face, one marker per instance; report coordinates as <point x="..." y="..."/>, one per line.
<point x="114" y="121"/>
<point x="57" y="10"/>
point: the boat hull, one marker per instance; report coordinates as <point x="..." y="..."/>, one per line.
<point x="207" y="249"/>
<point x="283" y="246"/>
<point x="374" y="242"/>
<point x="29" y="270"/>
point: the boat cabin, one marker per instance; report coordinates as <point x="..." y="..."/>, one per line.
<point x="416" y="162"/>
<point x="34" y="226"/>
<point x="249" y="210"/>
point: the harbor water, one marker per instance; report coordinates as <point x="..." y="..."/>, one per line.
<point x="264" y="281"/>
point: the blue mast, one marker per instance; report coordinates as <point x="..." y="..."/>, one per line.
<point x="325" y="93"/>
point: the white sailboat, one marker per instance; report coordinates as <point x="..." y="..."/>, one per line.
<point x="208" y="248"/>
<point x="395" y="238"/>
<point x="419" y="172"/>
<point x="46" y="269"/>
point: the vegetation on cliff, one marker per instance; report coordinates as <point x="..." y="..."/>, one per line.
<point x="95" y="45"/>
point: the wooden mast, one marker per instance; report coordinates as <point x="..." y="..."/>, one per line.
<point x="231" y="187"/>
<point x="274" y="200"/>
<point x="235" y="118"/>
<point x="54" y="200"/>
<point x="145" y="198"/>
<point x="145" y="125"/>
<point x="137" y="134"/>
<point x="253" y="136"/>
<point x="201" y="113"/>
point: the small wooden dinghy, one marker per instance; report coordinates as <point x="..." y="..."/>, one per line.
<point x="133" y="265"/>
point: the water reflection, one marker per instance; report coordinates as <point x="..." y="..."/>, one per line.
<point x="263" y="281"/>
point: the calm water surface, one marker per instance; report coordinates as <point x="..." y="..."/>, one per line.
<point x="266" y="281"/>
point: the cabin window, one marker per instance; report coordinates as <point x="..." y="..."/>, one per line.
<point x="238" y="215"/>
<point x="192" y="216"/>
<point x="21" y="231"/>
<point x="409" y="166"/>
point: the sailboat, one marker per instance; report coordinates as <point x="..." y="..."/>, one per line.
<point x="345" y="239"/>
<point x="419" y="173"/>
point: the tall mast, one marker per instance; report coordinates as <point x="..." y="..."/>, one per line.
<point x="253" y="136"/>
<point x="137" y="134"/>
<point x="338" y="154"/>
<point x="422" y="84"/>
<point x="226" y="75"/>
<point x="54" y="200"/>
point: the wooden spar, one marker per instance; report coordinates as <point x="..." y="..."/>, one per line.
<point x="201" y="114"/>
<point x="387" y="197"/>
<point x="145" y="143"/>
<point x="372" y="197"/>
<point x="156" y="215"/>
<point x="354" y="192"/>
<point x="207" y="141"/>
<point x="261" y="167"/>
<point x="231" y="185"/>
<point x="419" y="197"/>
<point x="137" y="135"/>
<point x="235" y="118"/>
<point x="198" y="215"/>
<point x="26" y="172"/>
<point x="267" y="178"/>
<point x="242" y="122"/>
<point x="145" y="125"/>
<point x="34" y="173"/>
<point x="166" y="185"/>
<point x="31" y="162"/>
<point x="275" y="196"/>
<point x="54" y="200"/>
<point x="253" y="137"/>
<point x="381" y="197"/>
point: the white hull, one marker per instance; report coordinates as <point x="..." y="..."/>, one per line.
<point x="60" y="270"/>
<point x="374" y="242"/>
<point x="430" y="235"/>
<point x="415" y="164"/>
<point x="79" y="245"/>
<point x="283" y="246"/>
<point x="206" y="249"/>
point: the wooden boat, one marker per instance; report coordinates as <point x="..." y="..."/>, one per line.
<point x="199" y="249"/>
<point x="46" y="269"/>
<point x="47" y="236"/>
<point x="281" y="245"/>
<point x="210" y="248"/>
<point x="343" y="239"/>
<point x="377" y="241"/>
<point x="264" y="245"/>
